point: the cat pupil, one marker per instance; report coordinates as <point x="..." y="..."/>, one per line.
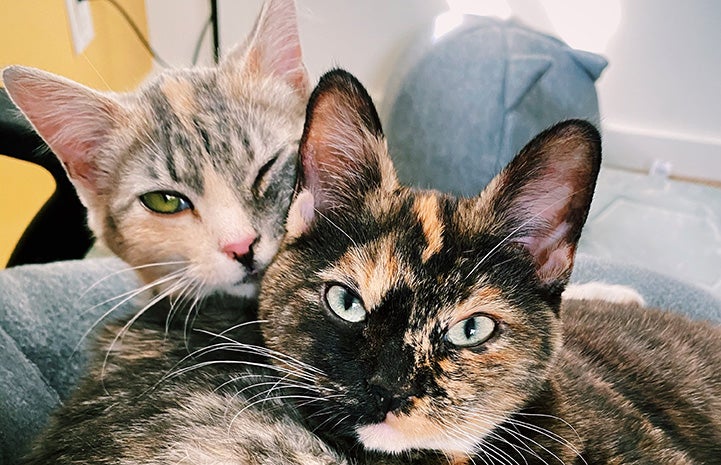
<point x="348" y="300"/>
<point x="470" y="328"/>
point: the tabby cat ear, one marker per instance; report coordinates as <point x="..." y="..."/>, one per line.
<point x="273" y="46"/>
<point x="74" y="120"/>
<point x="343" y="151"/>
<point x="541" y="199"/>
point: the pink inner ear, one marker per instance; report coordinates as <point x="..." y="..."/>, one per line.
<point x="74" y="152"/>
<point x="74" y="120"/>
<point x="551" y="252"/>
<point x="547" y="203"/>
<point x="274" y="46"/>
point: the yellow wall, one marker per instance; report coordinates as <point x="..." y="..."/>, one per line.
<point x="36" y="33"/>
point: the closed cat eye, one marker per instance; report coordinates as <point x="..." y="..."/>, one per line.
<point x="345" y="304"/>
<point x="262" y="174"/>
<point x="471" y="331"/>
<point x="165" y="202"/>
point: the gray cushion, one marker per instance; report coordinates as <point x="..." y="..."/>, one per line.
<point x="44" y="312"/>
<point x="459" y="109"/>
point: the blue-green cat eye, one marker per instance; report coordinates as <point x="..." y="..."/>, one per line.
<point x="345" y="304"/>
<point x="165" y="202"/>
<point x="471" y="331"/>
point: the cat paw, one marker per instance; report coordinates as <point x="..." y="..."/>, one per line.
<point x="596" y="290"/>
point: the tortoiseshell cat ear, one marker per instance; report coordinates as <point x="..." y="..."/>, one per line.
<point x="343" y="151"/>
<point x="273" y="46"/>
<point x="74" y="120"/>
<point x="541" y="199"/>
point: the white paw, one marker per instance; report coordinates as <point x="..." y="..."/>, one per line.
<point x="596" y="290"/>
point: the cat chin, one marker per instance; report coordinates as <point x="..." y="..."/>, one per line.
<point x="244" y="289"/>
<point x="383" y="437"/>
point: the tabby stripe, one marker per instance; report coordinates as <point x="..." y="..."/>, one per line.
<point x="427" y="210"/>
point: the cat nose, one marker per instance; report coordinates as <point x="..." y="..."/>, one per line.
<point x="386" y="400"/>
<point x="242" y="250"/>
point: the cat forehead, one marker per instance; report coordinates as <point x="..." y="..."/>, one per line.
<point x="421" y="239"/>
<point x="198" y="90"/>
<point x="184" y="120"/>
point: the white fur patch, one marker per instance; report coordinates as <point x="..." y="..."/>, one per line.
<point x="301" y="214"/>
<point x="397" y="434"/>
<point x="597" y="290"/>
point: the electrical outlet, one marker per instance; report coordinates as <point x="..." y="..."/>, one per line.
<point x="81" y="23"/>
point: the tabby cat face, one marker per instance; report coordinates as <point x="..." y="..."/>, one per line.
<point x="430" y="318"/>
<point x="188" y="178"/>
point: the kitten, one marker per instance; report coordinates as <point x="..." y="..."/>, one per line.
<point x="187" y="179"/>
<point x="435" y="322"/>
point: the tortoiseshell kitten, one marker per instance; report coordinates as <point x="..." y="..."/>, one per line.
<point x="188" y="179"/>
<point x="435" y="323"/>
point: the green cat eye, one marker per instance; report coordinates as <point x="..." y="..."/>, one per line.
<point x="471" y="331"/>
<point x="345" y="304"/>
<point x="165" y="202"/>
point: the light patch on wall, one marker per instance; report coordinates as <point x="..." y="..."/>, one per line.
<point x="584" y="24"/>
<point x="451" y="19"/>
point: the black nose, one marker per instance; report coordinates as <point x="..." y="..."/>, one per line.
<point x="387" y="401"/>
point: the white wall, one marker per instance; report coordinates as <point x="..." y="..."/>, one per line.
<point x="660" y="96"/>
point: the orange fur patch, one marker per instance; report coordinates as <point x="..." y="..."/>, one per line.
<point x="426" y="207"/>
<point x="181" y="96"/>
<point x="374" y="268"/>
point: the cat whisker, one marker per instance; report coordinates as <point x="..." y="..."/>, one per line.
<point x="336" y="226"/>
<point x="545" y="432"/>
<point x="218" y="362"/>
<point x="296" y="369"/>
<point x="299" y="385"/>
<point x="125" y="297"/>
<point x="181" y="298"/>
<point x="275" y="355"/>
<point x="193" y="309"/>
<point x="456" y="430"/>
<point x="127" y="269"/>
<point x="518" y="435"/>
<point x="129" y="324"/>
<point x="252" y="403"/>
<point x="134" y="292"/>
<point x="553" y="417"/>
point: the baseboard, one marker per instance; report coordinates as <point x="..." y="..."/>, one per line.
<point x="693" y="158"/>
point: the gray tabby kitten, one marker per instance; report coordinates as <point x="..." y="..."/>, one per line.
<point x="188" y="178"/>
<point x="435" y="322"/>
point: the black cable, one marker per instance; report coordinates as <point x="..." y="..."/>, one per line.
<point x="196" y="52"/>
<point x="138" y="33"/>
<point x="214" y="22"/>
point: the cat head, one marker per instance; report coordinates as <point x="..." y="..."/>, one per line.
<point x="189" y="177"/>
<point x="429" y="319"/>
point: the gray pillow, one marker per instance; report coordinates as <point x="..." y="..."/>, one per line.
<point x="459" y="109"/>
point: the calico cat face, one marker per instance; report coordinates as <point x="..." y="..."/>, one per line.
<point x="430" y="318"/>
<point x="188" y="178"/>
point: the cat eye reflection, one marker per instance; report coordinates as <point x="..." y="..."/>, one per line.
<point x="345" y="304"/>
<point x="471" y="331"/>
<point x="165" y="202"/>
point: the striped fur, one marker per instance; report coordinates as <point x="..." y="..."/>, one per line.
<point x="225" y="137"/>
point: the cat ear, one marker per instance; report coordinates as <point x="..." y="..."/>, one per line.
<point x="273" y="46"/>
<point x="75" y="121"/>
<point x="343" y="151"/>
<point x="541" y="199"/>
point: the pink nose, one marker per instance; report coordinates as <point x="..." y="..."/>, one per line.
<point x="240" y="248"/>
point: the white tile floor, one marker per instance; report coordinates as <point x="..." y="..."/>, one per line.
<point x="671" y="227"/>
